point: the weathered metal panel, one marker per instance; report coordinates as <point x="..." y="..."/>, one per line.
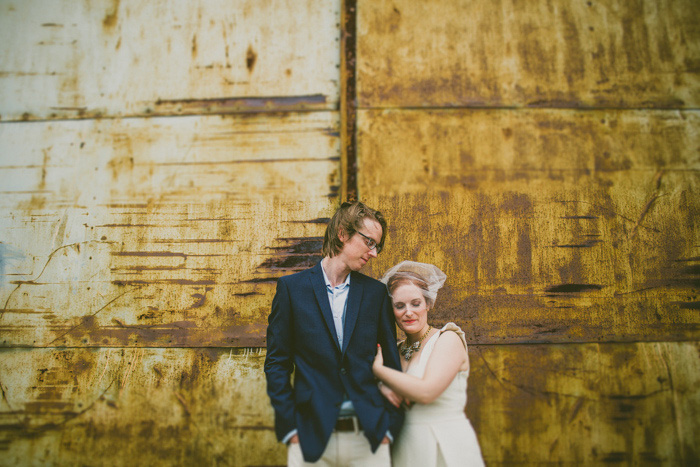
<point x="158" y="232"/>
<point x="135" y="406"/>
<point x="586" y="404"/>
<point x="67" y="59"/>
<point x="543" y="53"/>
<point x="551" y="225"/>
<point x="530" y="404"/>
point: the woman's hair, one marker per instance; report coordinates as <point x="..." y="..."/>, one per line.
<point x="407" y="277"/>
<point x="427" y="277"/>
<point x="348" y="219"/>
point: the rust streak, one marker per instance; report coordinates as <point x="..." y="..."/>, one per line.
<point x="251" y="161"/>
<point x="182" y="401"/>
<point x="110" y="19"/>
<point x="250" y="104"/>
<point x="148" y="268"/>
<point x="611" y="211"/>
<point x="130" y="369"/>
<point x="48" y="260"/>
<point x="4" y="397"/>
<point x="348" y="99"/>
<point x="149" y="253"/>
<point x="645" y="211"/>
<point x="490" y="370"/>
<point x="655" y="195"/>
<point x="577" y="407"/>
<point x="26" y="311"/>
<point x="250" y="58"/>
<point x="193" y="240"/>
<point x="166" y="281"/>
<point x="109" y="354"/>
<point x="573" y="288"/>
<point x="128" y="225"/>
<point x="91" y="315"/>
<point x="319" y="220"/>
<point x="586" y="244"/>
<point x="76" y="109"/>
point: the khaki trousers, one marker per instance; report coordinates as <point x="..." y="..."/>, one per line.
<point x="345" y="449"/>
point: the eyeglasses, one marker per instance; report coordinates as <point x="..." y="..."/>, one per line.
<point x="370" y="242"/>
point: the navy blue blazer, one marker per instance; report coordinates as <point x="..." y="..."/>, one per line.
<point x="301" y="340"/>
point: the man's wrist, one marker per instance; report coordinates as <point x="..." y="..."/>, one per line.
<point x="289" y="436"/>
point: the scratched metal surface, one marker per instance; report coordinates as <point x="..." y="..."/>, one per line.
<point x="158" y="232"/>
<point x="161" y="164"/>
<point x="541" y="53"/>
<point x="144" y="406"/>
<point x="570" y="238"/>
<point x="529" y="404"/>
<point x="66" y="59"/>
<point x="598" y="240"/>
<point x="586" y="404"/>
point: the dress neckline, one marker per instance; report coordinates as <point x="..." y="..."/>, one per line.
<point x="426" y="344"/>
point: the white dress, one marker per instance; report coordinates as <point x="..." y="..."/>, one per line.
<point x="439" y="433"/>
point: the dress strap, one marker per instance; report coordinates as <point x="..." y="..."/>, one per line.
<point x="456" y="329"/>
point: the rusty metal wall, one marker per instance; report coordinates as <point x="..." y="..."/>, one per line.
<point x="161" y="164"/>
<point x="546" y="155"/>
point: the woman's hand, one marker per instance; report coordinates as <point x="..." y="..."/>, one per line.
<point x="378" y="367"/>
<point x="378" y="360"/>
<point x="390" y="395"/>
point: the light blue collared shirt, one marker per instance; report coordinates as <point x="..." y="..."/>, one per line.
<point x="338" y="298"/>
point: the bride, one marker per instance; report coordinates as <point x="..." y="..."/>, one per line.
<point x="435" y="367"/>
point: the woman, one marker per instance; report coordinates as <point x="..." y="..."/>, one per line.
<point x="435" y="369"/>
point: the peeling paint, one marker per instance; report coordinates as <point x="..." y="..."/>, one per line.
<point x="241" y="104"/>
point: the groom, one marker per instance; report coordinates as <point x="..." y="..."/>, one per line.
<point x="324" y="328"/>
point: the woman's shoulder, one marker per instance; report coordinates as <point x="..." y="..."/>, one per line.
<point x="456" y="329"/>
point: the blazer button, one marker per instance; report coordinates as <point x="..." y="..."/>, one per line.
<point x="343" y="371"/>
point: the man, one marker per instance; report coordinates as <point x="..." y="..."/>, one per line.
<point x="324" y="327"/>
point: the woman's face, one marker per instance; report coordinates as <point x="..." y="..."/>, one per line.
<point x="410" y="308"/>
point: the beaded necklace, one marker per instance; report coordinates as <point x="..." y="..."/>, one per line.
<point x="408" y="350"/>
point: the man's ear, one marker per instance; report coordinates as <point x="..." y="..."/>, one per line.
<point x="341" y="235"/>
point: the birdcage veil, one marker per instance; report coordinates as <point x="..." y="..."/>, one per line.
<point x="433" y="277"/>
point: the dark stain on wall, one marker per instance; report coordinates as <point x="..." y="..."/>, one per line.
<point x="250" y="58"/>
<point x="295" y="254"/>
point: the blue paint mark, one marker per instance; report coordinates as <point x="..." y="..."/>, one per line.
<point x="8" y="253"/>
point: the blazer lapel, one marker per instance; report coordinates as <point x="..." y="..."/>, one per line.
<point x="353" y="308"/>
<point x="321" y="293"/>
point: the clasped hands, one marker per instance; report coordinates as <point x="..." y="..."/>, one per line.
<point x="395" y="399"/>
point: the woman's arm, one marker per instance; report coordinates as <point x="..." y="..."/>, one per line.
<point x="448" y="356"/>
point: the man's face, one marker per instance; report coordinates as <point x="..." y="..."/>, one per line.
<point x="356" y="250"/>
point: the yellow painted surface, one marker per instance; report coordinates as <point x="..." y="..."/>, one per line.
<point x="158" y="232"/>
<point x="586" y="404"/>
<point x="138" y="252"/>
<point x="135" y="406"/>
<point x="551" y="225"/>
<point x="529" y="404"/>
<point x="66" y="59"/>
<point x="543" y="53"/>
<point x="570" y="238"/>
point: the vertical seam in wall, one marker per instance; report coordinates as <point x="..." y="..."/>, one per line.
<point x="348" y="101"/>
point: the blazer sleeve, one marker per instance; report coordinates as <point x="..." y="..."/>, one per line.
<point x="390" y="353"/>
<point x="279" y="362"/>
